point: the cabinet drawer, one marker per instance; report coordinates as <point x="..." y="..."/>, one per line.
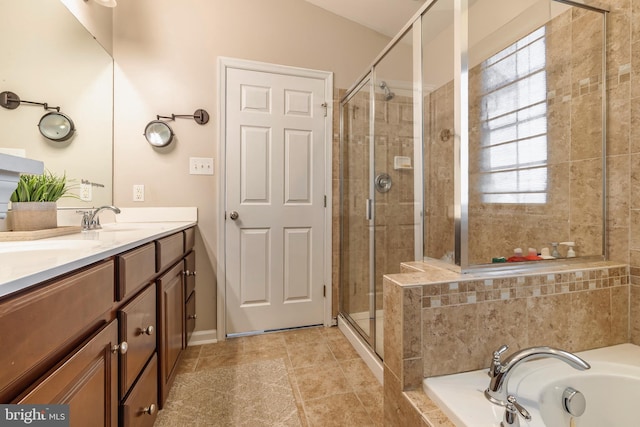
<point x="138" y="328"/>
<point x="169" y="250"/>
<point x="135" y="269"/>
<point x="44" y="325"/>
<point x="141" y="406"/>
<point x="189" y="274"/>
<point x="189" y="238"/>
<point x="190" y="318"/>
<point x="86" y="381"/>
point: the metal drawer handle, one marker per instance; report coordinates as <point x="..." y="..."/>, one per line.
<point x="148" y="330"/>
<point x="122" y="347"/>
<point x="149" y="409"/>
<point x="189" y="273"/>
<point x="192" y="316"/>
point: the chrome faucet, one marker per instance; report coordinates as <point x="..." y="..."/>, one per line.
<point x="91" y="221"/>
<point x="500" y="372"/>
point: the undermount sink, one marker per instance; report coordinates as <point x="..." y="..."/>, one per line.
<point x="48" y="245"/>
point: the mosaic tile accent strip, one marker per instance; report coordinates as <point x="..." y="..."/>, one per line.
<point x="476" y="290"/>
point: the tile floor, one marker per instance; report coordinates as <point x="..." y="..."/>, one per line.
<point x="331" y="384"/>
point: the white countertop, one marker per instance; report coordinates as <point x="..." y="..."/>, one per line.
<point x="24" y="264"/>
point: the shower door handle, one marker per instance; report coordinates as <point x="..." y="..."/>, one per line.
<point x="369" y="209"/>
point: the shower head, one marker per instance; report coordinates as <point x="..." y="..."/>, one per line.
<point x="388" y="95"/>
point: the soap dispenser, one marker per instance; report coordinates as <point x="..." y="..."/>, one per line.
<point x="570" y="252"/>
<point x="554" y="252"/>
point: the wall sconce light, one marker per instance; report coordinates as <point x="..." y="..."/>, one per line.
<point x="159" y="134"/>
<point x="105" y="3"/>
<point x="55" y="126"/>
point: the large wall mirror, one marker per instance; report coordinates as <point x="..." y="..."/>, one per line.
<point x="49" y="56"/>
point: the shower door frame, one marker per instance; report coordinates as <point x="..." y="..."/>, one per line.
<point x="368" y="79"/>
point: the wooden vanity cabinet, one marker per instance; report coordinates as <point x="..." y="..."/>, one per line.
<point x="87" y="382"/>
<point x="64" y="339"/>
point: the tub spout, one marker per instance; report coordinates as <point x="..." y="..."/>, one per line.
<point x="500" y="372"/>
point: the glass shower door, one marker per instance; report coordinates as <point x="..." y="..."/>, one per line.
<point x="356" y="299"/>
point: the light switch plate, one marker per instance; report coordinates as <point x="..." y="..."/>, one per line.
<point x="200" y="165"/>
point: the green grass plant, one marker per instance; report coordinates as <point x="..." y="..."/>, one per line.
<point x="47" y="187"/>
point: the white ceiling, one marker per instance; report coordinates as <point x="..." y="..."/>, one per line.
<point x="384" y="16"/>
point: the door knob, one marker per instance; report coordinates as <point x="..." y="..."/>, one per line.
<point x="233" y="215"/>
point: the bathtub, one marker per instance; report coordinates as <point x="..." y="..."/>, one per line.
<point x="611" y="389"/>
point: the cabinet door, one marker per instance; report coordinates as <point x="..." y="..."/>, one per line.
<point x="87" y="382"/>
<point x="189" y="274"/>
<point x="171" y="324"/>
<point x="138" y="328"/>
<point x="190" y="318"/>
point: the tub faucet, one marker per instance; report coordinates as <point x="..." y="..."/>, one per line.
<point x="500" y="372"/>
<point x="91" y="221"/>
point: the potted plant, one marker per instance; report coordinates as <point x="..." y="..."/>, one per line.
<point x="33" y="203"/>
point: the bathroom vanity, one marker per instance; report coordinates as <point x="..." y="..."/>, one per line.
<point x="97" y="320"/>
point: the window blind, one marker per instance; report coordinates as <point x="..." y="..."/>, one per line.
<point x="513" y="146"/>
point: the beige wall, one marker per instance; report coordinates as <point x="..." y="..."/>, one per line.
<point x="97" y="19"/>
<point x="166" y="62"/>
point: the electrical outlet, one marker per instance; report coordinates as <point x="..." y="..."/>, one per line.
<point x="200" y="165"/>
<point x="85" y="191"/>
<point x="138" y="193"/>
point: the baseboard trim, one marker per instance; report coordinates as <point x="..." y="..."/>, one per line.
<point x="203" y="337"/>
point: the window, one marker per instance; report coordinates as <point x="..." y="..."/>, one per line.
<point x="513" y="153"/>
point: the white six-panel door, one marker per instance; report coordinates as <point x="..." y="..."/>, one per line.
<point x="275" y="189"/>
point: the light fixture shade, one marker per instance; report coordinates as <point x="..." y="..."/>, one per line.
<point x="107" y="3"/>
<point x="158" y="133"/>
<point x="56" y="126"/>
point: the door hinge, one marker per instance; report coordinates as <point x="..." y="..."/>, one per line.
<point x="325" y="201"/>
<point x="325" y="105"/>
<point x="324" y="291"/>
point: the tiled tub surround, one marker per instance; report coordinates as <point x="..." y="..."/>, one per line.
<point x="439" y="322"/>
